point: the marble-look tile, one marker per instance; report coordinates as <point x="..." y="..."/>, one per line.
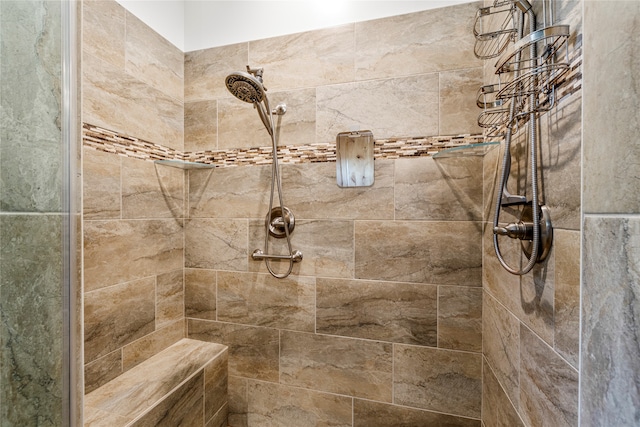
<point x="289" y="62"/>
<point x="337" y="365"/>
<point x="253" y="351"/>
<point x="118" y="315"/>
<point x="239" y="126"/>
<point x="327" y="247"/>
<point x="385" y="311"/>
<point x="460" y="318"/>
<point x="205" y="71"/>
<point x="501" y="345"/>
<point x="394" y="107"/>
<point x="262" y="300"/>
<point x="375" y="414"/>
<point x="548" y="384"/>
<point x="104" y="31"/>
<point x="311" y="191"/>
<point x="241" y="192"/>
<point x="98" y="418"/>
<point x="102" y="370"/>
<point x="238" y="403"/>
<point x="150" y="190"/>
<point x="567" y="297"/>
<point x="440" y="380"/>
<point x="491" y="163"/>
<point x="140" y="350"/>
<point x="201" y="125"/>
<point x="169" y="298"/>
<point x="119" y="251"/>
<point x="31" y="316"/>
<point x="447" y="253"/>
<point x="219" y="244"/>
<point x="216" y="379"/>
<point x="432" y="40"/>
<point x="153" y="59"/>
<point x="610" y="367"/>
<point x="182" y="407"/>
<point x="116" y="100"/>
<point x="458" y="109"/>
<point x="101" y="198"/>
<point x="497" y="409"/>
<point x="220" y="419"/>
<point x="200" y="293"/>
<point x="448" y="189"/>
<point x="611" y="167"/>
<point x="275" y="405"/>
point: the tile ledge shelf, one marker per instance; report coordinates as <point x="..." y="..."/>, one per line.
<point x="109" y="141"/>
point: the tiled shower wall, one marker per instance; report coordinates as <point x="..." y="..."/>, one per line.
<point x="531" y="324"/>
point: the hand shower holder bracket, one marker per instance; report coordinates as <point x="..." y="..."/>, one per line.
<point x="259" y="255"/>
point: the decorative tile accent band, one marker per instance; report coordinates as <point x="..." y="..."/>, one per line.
<point x="112" y="142"/>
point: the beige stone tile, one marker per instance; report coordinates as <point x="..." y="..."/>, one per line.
<point x="216" y="378"/>
<point x="448" y="189"/>
<point x="567" y="296"/>
<point x="241" y="192"/>
<point x="421" y="42"/>
<point x="275" y="405"/>
<point x="262" y="300"/>
<point x="104" y="31"/>
<point x="327" y="247"/>
<point x="311" y="191"/>
<point x="150" y="190"/>
<point x="220" y="419"/>
<point x="151" y="344"/>
<point x="97" y="418"/>
<point x="548" y="384"/>
<point x="394" y="107"/>
<point x="240" y="126"/>
<point x="385" y="311"/>
<point x="101" y="185"/>
<point x="201" y="125"/>
<point x="169" y="298"/>
<point x="117" y="101"/>
<point x="102" y="370"/>
<point x="375" y="414"/>
<point x="253" y="351"/>
<point x="501" y="346"/>
<point x="153" y="59"/>
<point x="238" y="403"/>
<point x="337" y="365"/>
<point x="216" y="244"/>
<point x="205" y="71"/>
<point x="440" y="380"/>
<point x="117" y="315"/>
<point x="422" y="252"/>
<point x="497" y="409"/>
<point x="460" y="318"/>
<point x="109" y="245"/>
<point x="458" y="109"/>
<point x="200" y="293"/>
<point x="308" y="59"/>
<point x="491" y="162"/>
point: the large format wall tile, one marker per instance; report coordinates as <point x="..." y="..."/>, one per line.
<point x="308" y="59"/>
<point x="433" y="40"/>
<point x="200" y="293"/>
<point x="448" y="189"/>
<point x="337" y="365"/>
<point x="102" y="370"/>
<point x="403" y="106"/>
<point x="567" y="297"/>
<point x="274" y="405"/>
<point x="610" y="311"/>
<point x="385" y="311"/>
<point x="460" y="318"/>
<point x="458" y="109"/>
<point x="104" y="31"/>
<point x="169" y="298"/>
<point x="548" y="384"/>
<point x="141" y="349"/>
<point x="440" y="380"/>
<point x="118" y="315"/>
<point x="101" y="197"/>
<point x="119" y="251"/>
<point x="261" y="300"/>
<point x="201" y="125"/>
<point x="375" y="414"/>
<point x="216" y="244"/>
<point x="446" y="253"/>
<point x="497" y="409"/>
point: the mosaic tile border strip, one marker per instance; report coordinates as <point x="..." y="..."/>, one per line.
<point x="110" y="141"/>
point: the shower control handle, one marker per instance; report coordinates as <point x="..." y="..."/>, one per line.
<point x="516" y="230"/>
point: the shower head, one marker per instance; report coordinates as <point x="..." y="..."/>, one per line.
<point x="245" y="86"/>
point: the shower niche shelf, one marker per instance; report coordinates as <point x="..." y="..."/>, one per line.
<point x="181" y="164"/>
<point x="467" y="150"/>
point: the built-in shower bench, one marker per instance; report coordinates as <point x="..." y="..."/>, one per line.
<point x="185" y="384"/>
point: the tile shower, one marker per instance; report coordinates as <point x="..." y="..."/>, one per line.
<point x="399" y="310"/>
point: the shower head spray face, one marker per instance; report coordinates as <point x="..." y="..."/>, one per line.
<point x="245" y="87"/>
